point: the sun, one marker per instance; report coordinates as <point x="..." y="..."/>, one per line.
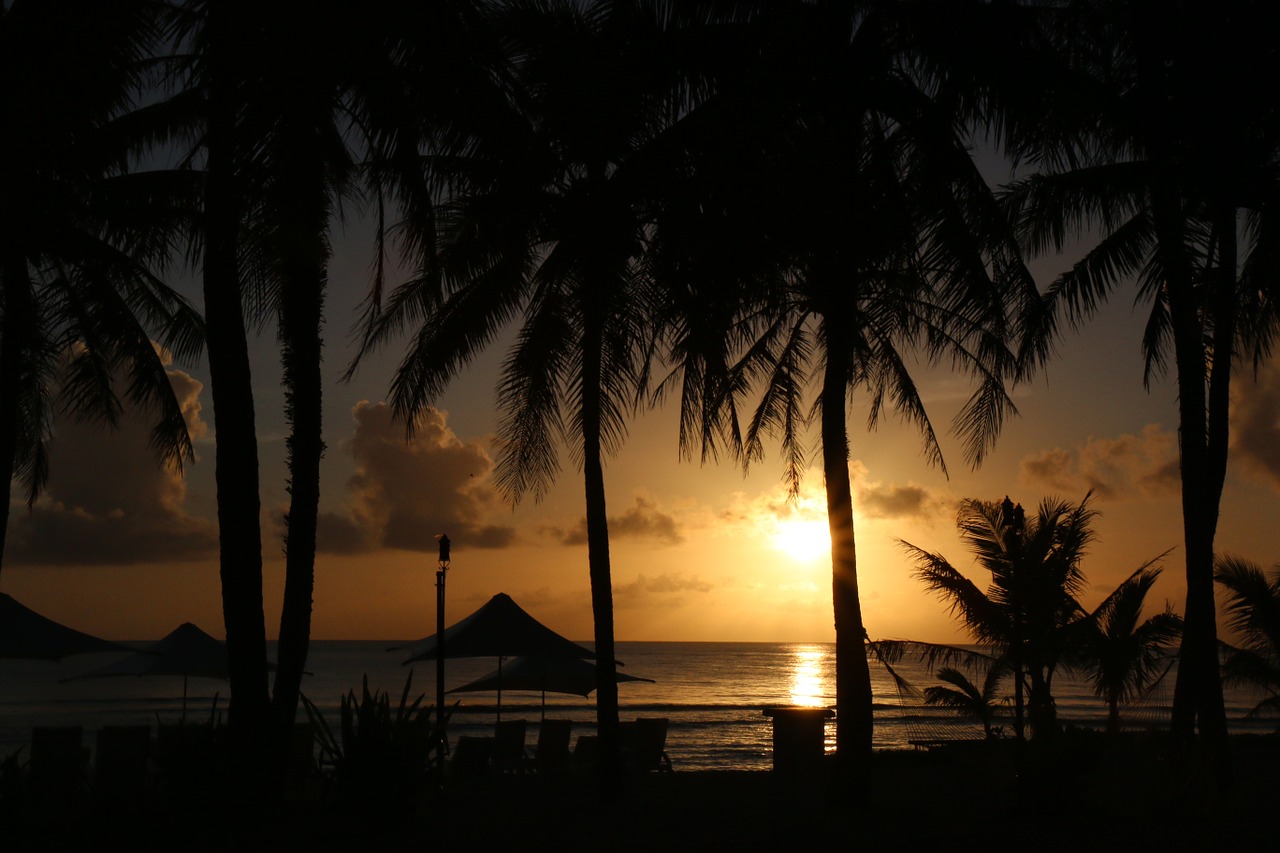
<point x="802" y="539"/>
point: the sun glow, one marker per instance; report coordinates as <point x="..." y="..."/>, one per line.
<point x="802" y="539"/>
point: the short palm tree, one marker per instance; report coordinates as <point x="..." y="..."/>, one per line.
<point x="1252" y="611"/>
<point x="1026" y="615"/>
<point x="1122" y="654"/>
<point x="966" y="698"/>
<point x="81" y="237"/>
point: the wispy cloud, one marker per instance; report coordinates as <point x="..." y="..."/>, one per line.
<point x="643" y="520"/>
<point x="1114" y="468"/>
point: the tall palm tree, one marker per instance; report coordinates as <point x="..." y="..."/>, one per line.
<point x="219" y="36"/>
<point x="1175" y="176"/>
<point x="544" y="214"/>
<point x="81" y="238"/>
<point x="865" y="202"/>
<point x="1121" y="653"/>
<point x="1252" y="605"/>
<point x="314" y="121"/>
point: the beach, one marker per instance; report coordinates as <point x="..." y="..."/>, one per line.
<point x="964" y="798"/>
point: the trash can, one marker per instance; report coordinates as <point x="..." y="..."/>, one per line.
<point x="799" y="735"/>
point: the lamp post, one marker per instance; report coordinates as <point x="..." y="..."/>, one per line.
<point x="443" y="567"/>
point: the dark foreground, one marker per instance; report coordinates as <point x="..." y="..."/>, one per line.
<point x="1086" y="795"/>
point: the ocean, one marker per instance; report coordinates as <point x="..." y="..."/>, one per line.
<point x="713" y="694"/>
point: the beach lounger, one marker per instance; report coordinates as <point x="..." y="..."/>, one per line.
<point x="508" y="746"/>
<point x="645" y="745"/>
<point x="121" y="761"/>
<point x="58" y="761"/>
<point x="552" y="750"/>
<point x="470" y="759"/>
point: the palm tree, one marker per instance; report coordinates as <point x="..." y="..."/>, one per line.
<point x="966" y="698"/>
<point x="545" y="216"/>
<point x="220" y="38"/>
<point x="1026" y="616"/>
<point x="81" y="238"/>
<point x="1175" y="177"/>
<point x="866" y="204"/>
<point x="1252" y="611"/>
<point x="315" y="120"/>
<point x="1120" y="652"/>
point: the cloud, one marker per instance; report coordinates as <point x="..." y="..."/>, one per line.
<point x="405" y="492"/>
<point x="892" y="501"/>
<point x="1255" y="423"/>
<point x="109" y="500"/>
<point x="642" y="521"/>
<point x="668" y="587"/>
<point x="1112" y="468"/>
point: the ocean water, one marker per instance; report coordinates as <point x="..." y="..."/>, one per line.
<point x="713" y="694"/>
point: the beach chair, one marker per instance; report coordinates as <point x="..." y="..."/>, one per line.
<point x="508" y="746"/>
<point x="586" y="752"/>
<point x="470" y="758"/>
<point x="121" y="761"/>
<point x="645" y="749"/>
<point x="552" y="750"/>
<point x="58" y="761"/>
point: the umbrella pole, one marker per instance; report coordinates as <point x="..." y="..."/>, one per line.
<point x="184" y="697"/>
<point x="499" y="688"/>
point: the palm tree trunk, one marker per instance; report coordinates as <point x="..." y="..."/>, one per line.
<point x="15" y="314"/>
<point x="301" y="319"/>
<point x="607" y="723"/>
<point x="1198" y="689"/>
<point x="854" y="722"/>
<point x="236" y="454"/>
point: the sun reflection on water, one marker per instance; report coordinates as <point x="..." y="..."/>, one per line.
<point x="806" y="677"/>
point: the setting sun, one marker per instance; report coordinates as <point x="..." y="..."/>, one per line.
<point x="803" y="539"/>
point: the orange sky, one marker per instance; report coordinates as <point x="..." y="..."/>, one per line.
<point x="119" y="548"/>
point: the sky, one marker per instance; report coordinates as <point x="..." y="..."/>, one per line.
<point x="121" y="548"/>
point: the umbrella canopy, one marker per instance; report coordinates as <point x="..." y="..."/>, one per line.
<point x="554" y="675"/>
<point x="498" y="629"/>
<point x="24" y="633"/>
<point x="186" y="651"/>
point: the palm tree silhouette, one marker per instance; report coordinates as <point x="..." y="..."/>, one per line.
<point x="882" y="241"/>
<point x="1252" y="610"/>
<point x="546" y="217"/>
<point x="1140" y="146"/>
<point x="1027" y="614"/>
<point x="965" y="697"/>
<point x="81" y="237"/>
<point x="1122" y="654"/>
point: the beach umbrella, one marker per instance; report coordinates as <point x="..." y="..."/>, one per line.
<point x="574" y="676"/>
<point x="500" y="628"/>
<point x="26" y="634"/>
<point x="186" y="651"/>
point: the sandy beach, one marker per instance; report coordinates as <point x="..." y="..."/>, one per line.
<point x="1117" y="800"/>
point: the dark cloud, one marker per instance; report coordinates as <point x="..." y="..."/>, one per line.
<point x="109" y="501"/>
<point x="898" y="502"/>
<point x="1255" y="423"/>
<point x="668" y="587"/>
<point x="405" y="492"/>
<point x="642" y="521"/>
<point x="1145" y="464"/>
